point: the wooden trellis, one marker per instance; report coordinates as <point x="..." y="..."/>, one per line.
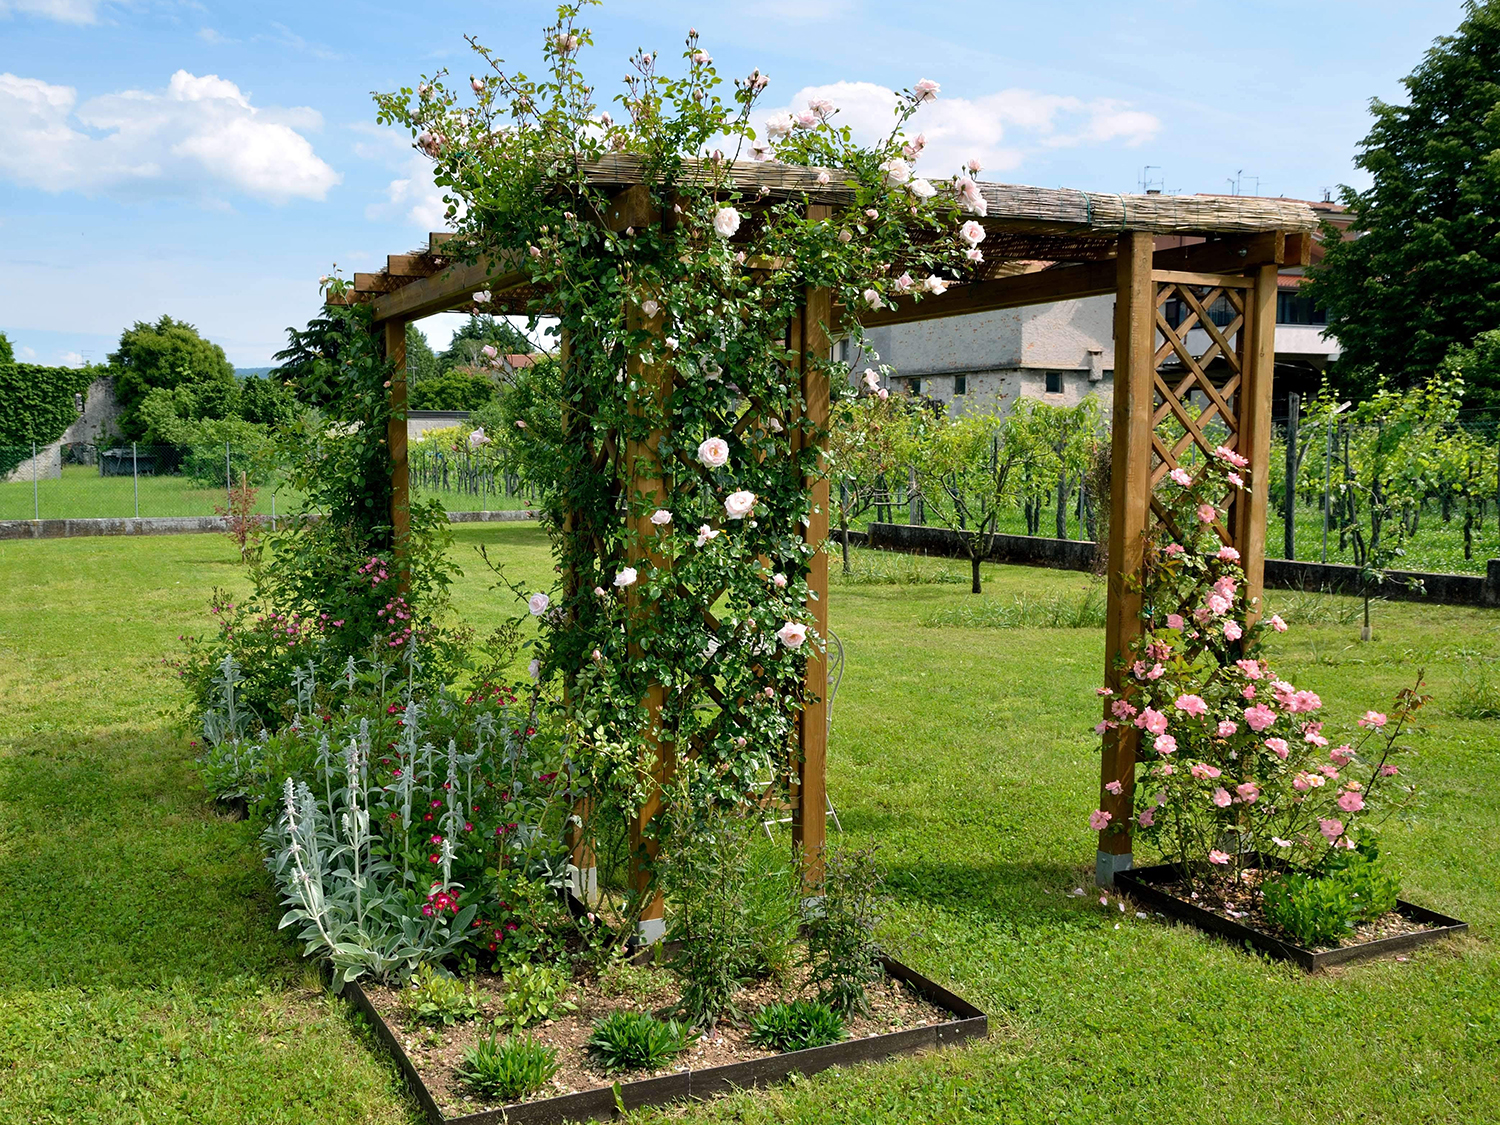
<point x="1184" y="383"/>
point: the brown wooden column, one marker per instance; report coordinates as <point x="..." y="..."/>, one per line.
<point x="1130" y="506"/>
<point x="1259" y="352"/>
<point x="810" y="789"/>
<point x="395" y="435"/>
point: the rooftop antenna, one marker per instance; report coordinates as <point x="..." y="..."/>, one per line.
<point x="1234" y="182"/>
<point x="1327" y="195"/>
<point x="1150" y="185"/>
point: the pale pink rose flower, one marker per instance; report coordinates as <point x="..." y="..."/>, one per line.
<point x="974" y="254"/>
<point x="1173" y="549"/>
<point x="779" y="125"/>
<point x="1302" y="782"/>
<point x="1222" y="798"/>
<point x="1218" y="604"/>
<point x="1153" y="720"/>
<point x="1372" y="720"/>
<point x="871" y="213"/>
<point x="1175" y="621"/>
<point x="650" y="307"/>
<point x="823" y="178"/>
<point x="1114" y="787"/>
<point x="1218" y="857"/>
<point x="872" y="298"/>
<point x="1278" y="747"/>
<point x="702" y="58"/>
<point x="807" y="120"/>
<point x="971" y="232"/>
<point x="935" y="285"/>
<point x="738" y="505"/>
<point x="489" y="351"/>
<point x="821" y="106"/>
<point x="1236" y="480"/>
<point x="792" y="634"/>
<point x="1341" y="755"/>
<point x="1182" y="477"/>
<point x="897" y="171"/>
<point x="706" y="533"/>
<point x="1227" y="727"/>
<point x="974" y="166"/>
<point x="1207" y="512"/>
<point x="626" y="577"/>
<point x="726" y="222"/>
<point x="1259" y="717"/>
<point x="1389" y="770"/>
<point x="1350" y="801"/>
<point x="904" y="283"/>
<point x="1101" y="727"/>
<point x="661" y="517"/>
<point x="1099" y="820"/>
<point x="1277" y="623"/>
<point x="882" y="394"/>
<point x="1192" y="704"/>
<point x="1329" y="770"/>
<point x="779" y="581"/>
<point x="926" y="90"/>
<point x="1146" y="818"/>
<point x="1105" y="691"/>
<point x="1331" y="829"/>
<point x="1249" y="792"/>
<point x="1232" y="631"/>
<point x="1228" y="554"/>
<point x="538" y="604"/>
<point x="921" y="188"/>
<point x="714" y="453"/>
<point x="476" y="85"/>
<point x="1224" y="453"/>
<point x="846" y="236"/>
<point x="1165" y="744"/>
<point x="1251" y="668"/>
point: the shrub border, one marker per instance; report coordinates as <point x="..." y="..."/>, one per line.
<point x="1141" y="884"/>
<point x="605" y="1101"/>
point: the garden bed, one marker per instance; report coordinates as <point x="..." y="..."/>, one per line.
<point x="1406" y="927"/>
<point x="909" y="1014"/>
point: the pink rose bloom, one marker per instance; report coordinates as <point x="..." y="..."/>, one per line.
<point x="1222" y="797"/>
<point x="792" y="634"/>
<point x="1218" y="604"/>
<point x="1228" y="554"/>
<point x="1216" y="856"/>
<point x="1248" y="691"/>
<point x="1278" y="747"/>
<point x="1181" y="477"/>
<point x="1251" y="668"/>
<point x="714" y="453"/>
<point x="1202" y="771"/>
<point x="1175" y="621"/>
<point x="1165" y="744"/>
<point x="1259" y="717"/>
<point x="1173" y="549"/>
<point x="1207" y="512"/>
<point x="1329" y="771"/>
<point x="1146" y="818"/>
<point x="1156" y="672"/>
<point x="1305" y="701"/>
<point x="1341" y="755"/>
<point x="1164" y="769"/>
<point x="1232" y="631"/>
<point x="1122" y="709"/>
<point x="1153" y="720"/>
<point x="1314" y="737"/>
<point x="1101" y="727"/>
<point x="1331" y="829"/>
<point x="1192" y="704"/>
<point x="1277" y="623"/>
<point x="1373" y="720"/>
<point x="1249" y="792"/>
<point x="1227" y="727"/>
<point x="1389" y="770"/>
<point x="1099" y="820"/>
<point x="1226" y="454"/>
<point x="1201" y="615"/>
<point x="1351" y="801"/>
<point x="1302" y="782"/>
<point x="1104" y="691"/>
<point x="1114" y="787"/>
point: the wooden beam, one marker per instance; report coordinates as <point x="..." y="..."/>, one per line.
<point x="1061" y="283"/>
<point x="1224" y="255"/>
<point x="1130" y="506"/>
<point x="413" y="265"/>
<point x="1299" y="248"/>
<point x="1212" y="280"/>
<point x="450" y="288"/>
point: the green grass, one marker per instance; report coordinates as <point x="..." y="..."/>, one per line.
<point x="142" y="980"/>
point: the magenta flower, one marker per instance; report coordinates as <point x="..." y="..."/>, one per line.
<point x="1099" y="820"/>
<point x="1146" y="817"/>
<point x="1259" y="717"/>
<point x="1175" y="621"/>
<point x="1114" y="787"/>
<point x="1192" y="704"/>
<point x="1222" y="797"/>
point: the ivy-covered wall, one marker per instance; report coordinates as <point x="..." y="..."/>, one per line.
<point x="37" y="404"/>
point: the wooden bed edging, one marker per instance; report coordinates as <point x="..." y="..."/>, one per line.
<point x="1140" y="884"/>
<point x="606" y="1101"/>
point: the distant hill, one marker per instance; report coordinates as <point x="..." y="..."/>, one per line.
<point x="246" y="372"/>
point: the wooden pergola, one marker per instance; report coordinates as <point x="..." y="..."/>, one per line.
<point x="1184" y="382"/>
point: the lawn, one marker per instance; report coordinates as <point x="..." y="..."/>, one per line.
<point x="142" y="979"/>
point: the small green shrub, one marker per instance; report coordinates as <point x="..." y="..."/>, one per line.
<point x="1478" y="694"/>
<point x="534" y="993"/>
<point x="434" y="997"/>
<point x="897" y="568"/>
<point x="796" y="1026"/>
<point x="773" y="912"/>
<point x="1322" y="909"/>
<point x="637" y="1041"/>
<point x="508" y="1069"/>
<point x="1373" y="886"/>
<point x="841" y="930"/>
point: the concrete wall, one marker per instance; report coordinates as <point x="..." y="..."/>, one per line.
<point x="418" y="422"/>
<point x="180" y="525"/>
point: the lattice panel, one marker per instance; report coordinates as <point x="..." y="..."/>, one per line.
<point x="1199" y="373"/>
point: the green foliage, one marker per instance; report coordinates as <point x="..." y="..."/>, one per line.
<point x="169" y="355"/>
<point x="628" y="1040"/>
<point x="1478" y="365"/>
<point x="267" y="402"/>
<point x="466" y="348"/>
<point x="508" y="1069"/>
<point x="1083" y="610"/>
<point x="316" y="358"/>
<point x="435" y="997"/>
<point x="773" y="910"/>
<point x="1319" y="909"/>
<point x="452" y="390"/>
<point x="7" y="354"/>
<point x="39" y="404"/>
<point x="896" y="568"/>
<point x="1424" y="273"/>
<point x="796" y="1026"/>
<point x="534" y="992"/>
<point x="1478" y="691"/>
<point x="841" y="941"/>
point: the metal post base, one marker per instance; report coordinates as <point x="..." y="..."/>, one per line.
<point x="586" y="885"/>
<point x="649" y="931"/>
<point x="1107" y="865"/>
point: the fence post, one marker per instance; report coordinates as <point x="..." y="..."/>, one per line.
<point x="1327" y="483"/>
<point x="36" y="485"/>
<point x="273" y="509"/>
<point x="1289" y="500"/>
<point x="135" y="478"/>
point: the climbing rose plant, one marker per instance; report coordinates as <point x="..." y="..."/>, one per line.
<point x="1235" y="764"/>
<point x="679" y="362"/>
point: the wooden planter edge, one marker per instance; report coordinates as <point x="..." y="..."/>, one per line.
<point x="606" y="1101"/>
<point x="1139" y="883"/>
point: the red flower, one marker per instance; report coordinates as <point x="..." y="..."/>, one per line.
<point x="434" y="859"/>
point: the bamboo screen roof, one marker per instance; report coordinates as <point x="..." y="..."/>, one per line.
<point x="1024" y="226"/>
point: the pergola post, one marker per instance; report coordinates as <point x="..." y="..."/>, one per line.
<point x="809" y="790"/>
<point x="395" y="435"/>
<point x="1249" y="518"/>
<point x="1130" y="503"/>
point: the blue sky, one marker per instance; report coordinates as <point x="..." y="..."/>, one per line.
<point x="210" y="160"/>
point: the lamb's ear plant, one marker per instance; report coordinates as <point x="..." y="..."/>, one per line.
<point x="840" y="930"/>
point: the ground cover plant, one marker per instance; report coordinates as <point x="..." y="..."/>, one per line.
<point x="212" y="1014"/>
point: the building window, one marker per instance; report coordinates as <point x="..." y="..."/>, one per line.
<point x="1054" y="382"/>
<point x="914" y="385"/>
<point x="1176" y="310"/>
<point x="960" y="384"/>
<point x="1295" y="308"/>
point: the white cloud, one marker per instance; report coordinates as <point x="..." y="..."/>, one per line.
<point x="200" y="136"/>
<point x="412" y="195"/>
<point x="28" y="354"/>
<point x="1000" y="129"/>
<point x="65" y="11"/>
<point x="73" y="359"/>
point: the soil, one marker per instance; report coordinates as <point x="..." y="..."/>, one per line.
<point x="437" y="1052"/>
<point x="1242" y="902"/>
